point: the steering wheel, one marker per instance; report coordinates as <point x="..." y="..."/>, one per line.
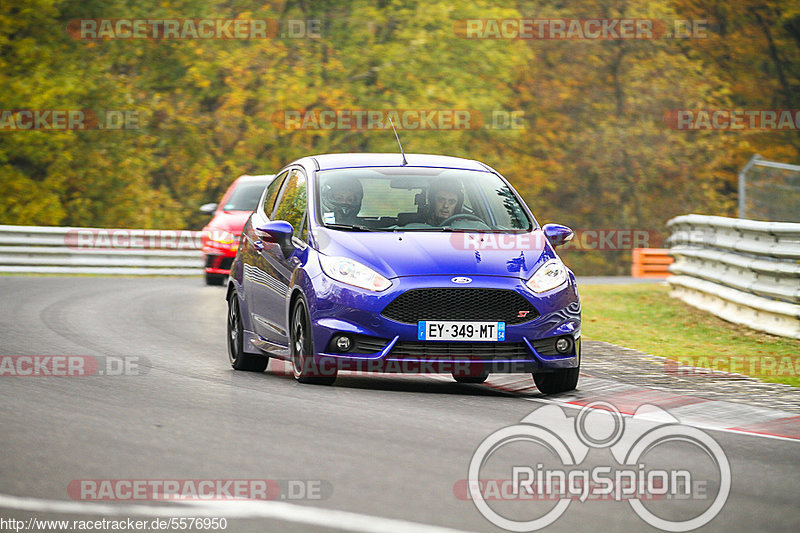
<point x="461" y="216"/>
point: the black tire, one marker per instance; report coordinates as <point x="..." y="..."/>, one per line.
<point x="558" y="381"/>
<point x="236" y="354"/>
<point x="215" y="279"/>
<point x="302" y="349"/>
<point x="471" y="379"/>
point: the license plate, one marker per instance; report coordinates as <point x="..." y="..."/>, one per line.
<point x="438" y="330"/>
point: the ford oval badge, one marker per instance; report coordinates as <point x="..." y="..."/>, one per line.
<point x="461" y="279"/>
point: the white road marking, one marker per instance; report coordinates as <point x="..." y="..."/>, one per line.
<point x="287" y="512"/>
<point x="704" y="414"/>
<point x="716" y="415"/>
<point x="686" y="422"/>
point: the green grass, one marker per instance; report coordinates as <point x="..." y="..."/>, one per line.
<point x="645" y="318"/>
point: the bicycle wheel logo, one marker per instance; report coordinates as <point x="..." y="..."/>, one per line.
<point x="633" y="442"/>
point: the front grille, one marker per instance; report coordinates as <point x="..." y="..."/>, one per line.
<point x="495" y="305"/>
<point x="459" y="350"/>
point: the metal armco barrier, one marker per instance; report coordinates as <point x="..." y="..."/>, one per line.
<point x="650" y="263"/>
<point x="57" y="250"/>
<point x="744" y="271"/>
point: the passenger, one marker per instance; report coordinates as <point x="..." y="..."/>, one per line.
<point x="340" y="199"/>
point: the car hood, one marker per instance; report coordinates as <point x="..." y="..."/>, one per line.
<point x="232" y="221"/>
<point x="439" y="253"/>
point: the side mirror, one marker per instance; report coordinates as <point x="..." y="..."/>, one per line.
<point x="208" y="208"/>
<point x="557" y="234"/>
<point x="278" y="231"/>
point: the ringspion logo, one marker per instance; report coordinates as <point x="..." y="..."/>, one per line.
<point x="669" y="490"/>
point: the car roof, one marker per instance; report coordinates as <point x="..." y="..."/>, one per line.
<point x="355" y="160"/>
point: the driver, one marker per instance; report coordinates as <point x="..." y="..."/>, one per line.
<point x="445" y="199"/>
<point x="341" y="200"/>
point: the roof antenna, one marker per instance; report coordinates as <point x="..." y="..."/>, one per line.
<point x="396" y="136"/>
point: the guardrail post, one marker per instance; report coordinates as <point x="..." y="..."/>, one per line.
<point x="743" y="185"/>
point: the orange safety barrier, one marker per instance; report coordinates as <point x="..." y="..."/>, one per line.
<point x="650" y="263"/>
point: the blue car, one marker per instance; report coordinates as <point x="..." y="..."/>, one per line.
<point x="382" y="263"/>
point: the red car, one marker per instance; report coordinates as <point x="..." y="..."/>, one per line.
<point x="221" y="234"/>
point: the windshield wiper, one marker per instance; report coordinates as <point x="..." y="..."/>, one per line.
<point x="351" y="227"/>
<point x="437" y="229"/>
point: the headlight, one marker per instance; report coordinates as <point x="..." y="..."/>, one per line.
<point x="549" y="276"/>
<point x="353" y="273"/>
<point x="222" y="237"/>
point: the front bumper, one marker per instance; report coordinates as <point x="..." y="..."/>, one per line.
<point x="384" y="345"/>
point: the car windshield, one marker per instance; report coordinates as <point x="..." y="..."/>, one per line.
<point x="245" y="196"/>
<point x="418" y="199"/>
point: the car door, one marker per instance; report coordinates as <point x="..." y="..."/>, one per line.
<point x="273" y="290"/>
<point x="255" y="279"/>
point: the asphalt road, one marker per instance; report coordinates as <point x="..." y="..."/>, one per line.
<point x="379" y="453"/>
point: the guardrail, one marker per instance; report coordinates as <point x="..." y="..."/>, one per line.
<point x="650" y="263"/>
<point x="744" y="271"/>
<point x="57" y="250"/>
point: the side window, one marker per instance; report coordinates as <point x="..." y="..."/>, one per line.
<point x="292" y="204"/>
<point x="272" y="193"/>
